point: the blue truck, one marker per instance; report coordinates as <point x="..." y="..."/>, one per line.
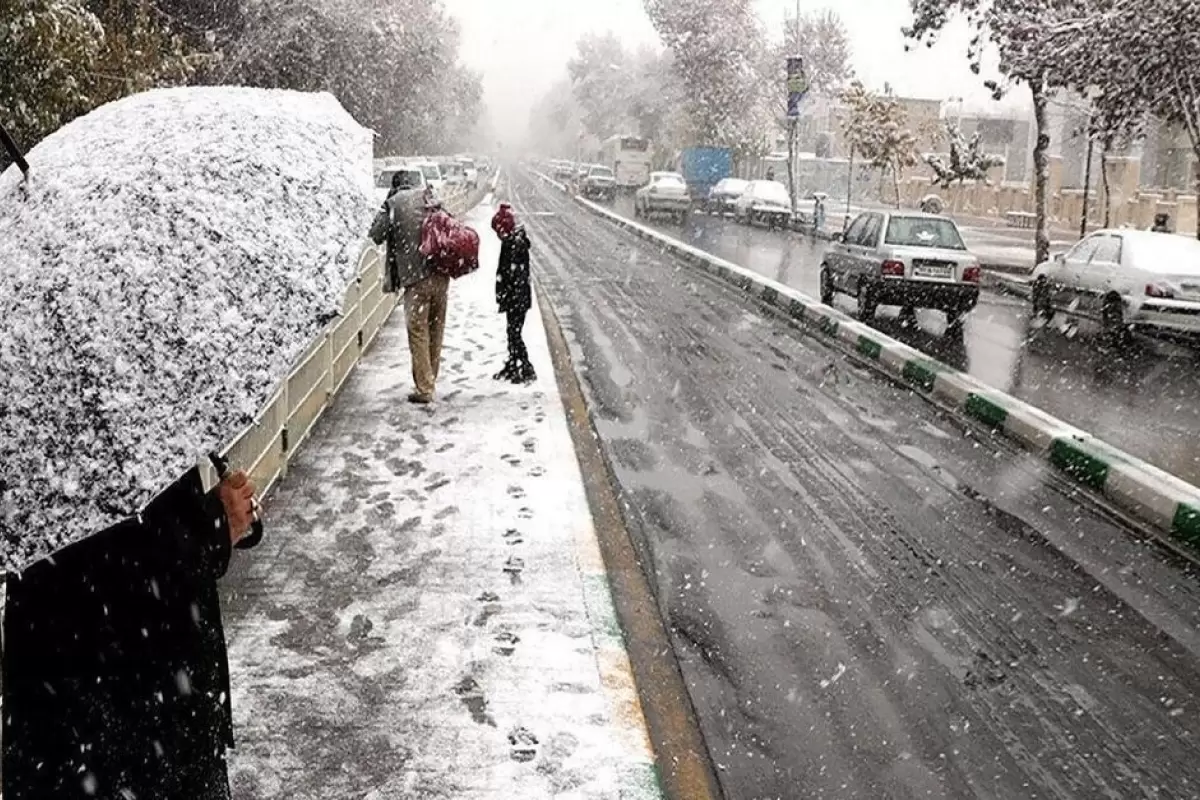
<point x="703" y="167"/>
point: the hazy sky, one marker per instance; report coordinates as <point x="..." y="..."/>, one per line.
<point x="522" y="46"/>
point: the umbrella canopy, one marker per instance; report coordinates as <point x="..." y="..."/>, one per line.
<point x="167" y="260"/>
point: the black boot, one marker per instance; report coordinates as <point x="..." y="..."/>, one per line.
<point x="507" y="373"/>
<point x="525" y="373"/>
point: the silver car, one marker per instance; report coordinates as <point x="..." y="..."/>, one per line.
<point x="665" y="193"/>
<point x="908" y="259"/>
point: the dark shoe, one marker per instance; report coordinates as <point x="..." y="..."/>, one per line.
<point x="525" y="374"/>
<point x="420" y="399"/>
<point x="506" y="373"/>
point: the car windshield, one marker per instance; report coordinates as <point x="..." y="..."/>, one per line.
<point x="771" y="192"/>
<point x="934" y="232"/>
<point x="431" y="172"/>
<point x="667" y="179"/>
<point x="601" y="172"/>
<point x="384" y="179"/>
<point x="732" y="186"/>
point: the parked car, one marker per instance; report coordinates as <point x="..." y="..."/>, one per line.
<point x="600" y="183"/>
<point x="912" y="260"/>
<point x="470" y="171"/>
<point x="564" y="170"/>
<point x="765" y="202"/>
<point x="724" y="196"/>
<point x="581" y="171"/>
<point x="433" y="176"/>
<point x="1126" y="280"/>
<point x="383" y="180"/>
<point x="453" y="172"/>
<point x="666" y="192"/>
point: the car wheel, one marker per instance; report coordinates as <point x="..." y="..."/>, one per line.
<point x="866" y="301"/>
<point x="1112" y="321"/>
<point x="826" y="286"/>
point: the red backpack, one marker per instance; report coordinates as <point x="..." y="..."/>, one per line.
<point x="451" y="246"/>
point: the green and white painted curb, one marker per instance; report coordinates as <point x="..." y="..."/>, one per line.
<point x="1141" y="490"/>
<point x="638" y="774"/>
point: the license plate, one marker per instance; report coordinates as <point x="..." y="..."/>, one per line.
<point x="932" y="271"/>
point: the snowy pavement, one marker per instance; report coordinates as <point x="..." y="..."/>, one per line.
<point x="429" y="616"/>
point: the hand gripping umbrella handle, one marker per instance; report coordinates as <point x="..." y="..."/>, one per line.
<point x="221" y="465"/>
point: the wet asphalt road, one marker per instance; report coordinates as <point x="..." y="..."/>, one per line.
<point x="1145" y="401"/>
<point x="867" y="600"/>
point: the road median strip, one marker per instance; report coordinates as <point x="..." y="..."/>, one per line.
<point x="1146" y="493"/>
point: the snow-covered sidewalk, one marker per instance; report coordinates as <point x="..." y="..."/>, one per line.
<point x="429" y="615"/>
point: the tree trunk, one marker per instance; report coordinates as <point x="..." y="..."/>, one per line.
<point x="1105" y="147"/>
<point x="896" y="183"/>
<point x="1041" y="170"/>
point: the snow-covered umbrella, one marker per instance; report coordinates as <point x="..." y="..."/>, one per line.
<point x="165" y="262"/>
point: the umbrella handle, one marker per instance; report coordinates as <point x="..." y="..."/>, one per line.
<point x="221" y="465"/>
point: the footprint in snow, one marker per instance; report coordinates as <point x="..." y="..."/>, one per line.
<point x="537" y="472"/>
<point x="525" y="513"/>
<point x="512" y="536"/>
<point x="529" y="444"/>
<point x="522" y="744"/>
<point x="506" y="643"/>
<point x="516" y="492"/>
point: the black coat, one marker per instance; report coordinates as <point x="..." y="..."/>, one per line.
<point x="513" y="294"/>
<point x="115" y="669"/>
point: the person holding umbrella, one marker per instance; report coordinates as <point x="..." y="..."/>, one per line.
<point x="135" y="339"/>
<point x="116" y="680"/>
<point x="513" y="294"/>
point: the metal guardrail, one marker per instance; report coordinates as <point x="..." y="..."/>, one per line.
<point x="266" y="447"/>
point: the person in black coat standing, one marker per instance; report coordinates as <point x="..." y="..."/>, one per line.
<point x="116" y="679"/>
<point x="513" y="293"/>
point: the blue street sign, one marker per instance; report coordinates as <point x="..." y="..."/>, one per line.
<point x="797" y="86"/>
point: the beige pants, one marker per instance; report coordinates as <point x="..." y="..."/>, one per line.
<point x="425" y="312"/>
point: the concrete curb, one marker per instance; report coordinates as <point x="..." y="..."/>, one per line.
<point x="1141" y="490"/>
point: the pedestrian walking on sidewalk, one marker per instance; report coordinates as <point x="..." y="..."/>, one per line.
<point x="116" y="679"/>
<point x="513" y="293"/>
<point x="398" y="225"/>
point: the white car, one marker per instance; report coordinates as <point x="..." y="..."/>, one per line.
<point x="766" y="202"/>
<point x="383" y="180"/>
<point x="433" y="176"/>
<point x="666" y="192"/>
<point x="453" y="172"/>
<point x="600" y="183"/>
<point x="1126" y="280"/>
<point x="724" y="195"/>
<point x="469" y="170"/>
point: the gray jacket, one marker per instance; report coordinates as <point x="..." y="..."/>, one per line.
<point x="406" y="265"/>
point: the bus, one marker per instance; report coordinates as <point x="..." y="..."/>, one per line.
<point x="629" y="159"/>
